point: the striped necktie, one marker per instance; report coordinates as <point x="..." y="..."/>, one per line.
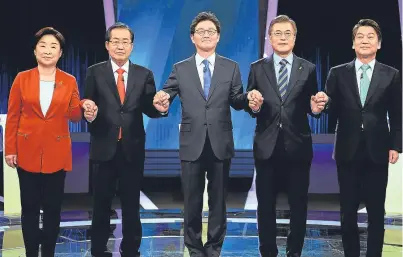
<point x="283" y="78"/>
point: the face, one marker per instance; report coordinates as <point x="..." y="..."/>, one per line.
<point x="120" y="45"/>
<point x="282" y="38"/>
<point x="205" y="37"/>
<point x="47" y="51"/>
<point x="366" y="42"/>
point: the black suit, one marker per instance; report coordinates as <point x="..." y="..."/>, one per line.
<point x="363" y="141"/>
<point x="122" y="160"/>
<point x="282" y="148"/>
<point x="206" y="144"/>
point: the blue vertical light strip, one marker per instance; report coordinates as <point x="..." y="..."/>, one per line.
<point x="320" y="125"/>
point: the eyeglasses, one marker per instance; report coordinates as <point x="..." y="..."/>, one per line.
<point x="279" y="34"/>
<point x="117" y="43"/>
<point x="210" y="32"/>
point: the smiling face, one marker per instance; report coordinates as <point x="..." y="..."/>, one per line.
<point x="206" y="36"/>
<point x="366" y="43"/>
<point x="48" y="51"/>
<point x="282" y="38"/>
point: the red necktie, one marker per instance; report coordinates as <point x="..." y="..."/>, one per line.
<point x="121" y="90"/>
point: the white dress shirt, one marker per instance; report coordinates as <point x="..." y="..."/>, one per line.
<point x="46" y="89"/>
<point x="115" y="67"/>
<point x="200" y="66"/>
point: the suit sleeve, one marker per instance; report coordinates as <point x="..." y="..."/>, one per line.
<point x="238" y="100"/>
<point x="330" y="91"/>
<point x="148" y="96"/>
<point x="75" y="113"/>
<point x="171" y="86"/>
<point x="313" y="90"/>
<point x="395" y="113"/>
<point x="13" y="117"/>
<point x="90" y="93"/>
<point x="252" y="84"/>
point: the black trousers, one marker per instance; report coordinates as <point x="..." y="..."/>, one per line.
<point x="46" y="191"/>
<point x="281" y="169"/>
<point x="193" y="183"/>
<point x="362" y="179"/>
<point x="105" y="176"/>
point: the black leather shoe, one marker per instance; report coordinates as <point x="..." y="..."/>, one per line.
<point x="289" y="254"/>
<point x="128" y="253"/>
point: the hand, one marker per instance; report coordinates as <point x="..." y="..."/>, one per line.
<point x="318" y="102"/>
<point x="161" y="101"/>
<point x="255" y="99"/>
<point x="90" y="110"/>
<point x="393" y="156"/>
<point x="11" y="160"/>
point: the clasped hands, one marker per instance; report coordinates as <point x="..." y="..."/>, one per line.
<point x="161" y="101"/>
<point x="90" y="110"/>
<point x="255" y="100"/>
<point x="318" y="102"/>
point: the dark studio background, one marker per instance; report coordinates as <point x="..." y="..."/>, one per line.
<point x="324" y="34"/>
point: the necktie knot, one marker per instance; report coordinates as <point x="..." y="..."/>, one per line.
<point x="365" y="67"/>
<point x="283" y="62"/>
<point x="120" y="71"/>
<point x="206" y="63"/>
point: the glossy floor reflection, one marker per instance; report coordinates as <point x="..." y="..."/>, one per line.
<point x="163" y="234"/>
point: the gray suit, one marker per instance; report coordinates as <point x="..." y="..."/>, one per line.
<point x="212" y="115"/>
<point x="206" y="144"/>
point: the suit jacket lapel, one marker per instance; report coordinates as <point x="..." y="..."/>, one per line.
<point x="375" y="79"/>
<point x="130" y="81"/>
<point x="268" y="67"/>
<point x="218" y="67"/>
<point x="194" y="74"/>
<point x="35" y="82"/>
<point x="352" y="77"/>
<point x="296" y="70"/>
<point x="110" y="80"/>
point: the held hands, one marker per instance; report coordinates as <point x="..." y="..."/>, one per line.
<point x="318" y="102"/>
<point x="255" y="100"/>
<point x="393" y="156"/>
<point x="161" y="101"/>
<point x="90" y="110"/>
<point x="11" y="160"/>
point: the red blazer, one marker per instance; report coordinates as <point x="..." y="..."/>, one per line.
<point x="41" y="143"/>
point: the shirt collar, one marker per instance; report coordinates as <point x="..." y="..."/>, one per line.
<point x="199" y="59"/>
<point x="125" y="66"/>
<point x="358" y="64"/>
<point x="277" y="59"/>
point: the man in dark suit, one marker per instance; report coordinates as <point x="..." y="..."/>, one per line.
<point x="117" y="93"/>
<point x="208" y="85"/>
<point x="362" y="94"/>
<point x="282" y="144"/>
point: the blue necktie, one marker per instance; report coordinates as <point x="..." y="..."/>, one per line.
<point x="206" y="78"/>
<point x="283" y="78"/>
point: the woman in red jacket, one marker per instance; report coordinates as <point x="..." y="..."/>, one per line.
<point x="37" y="140"/>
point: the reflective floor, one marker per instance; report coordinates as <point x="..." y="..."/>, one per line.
<point x="163" y="234"/>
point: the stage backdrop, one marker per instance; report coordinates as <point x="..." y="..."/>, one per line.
<point x="162" y="38"/>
